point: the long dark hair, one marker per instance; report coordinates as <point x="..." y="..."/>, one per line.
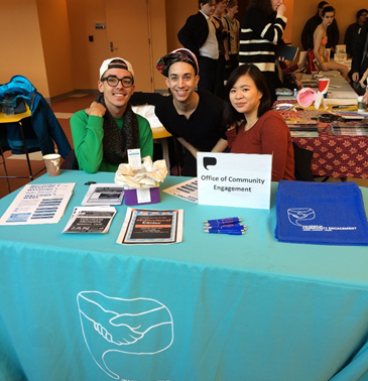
<point x="328" y="9"/>
<point x="231" y="116"/>
<point x="263" y="5"/>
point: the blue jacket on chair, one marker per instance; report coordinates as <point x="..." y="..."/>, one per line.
<point x="46" y="128"/>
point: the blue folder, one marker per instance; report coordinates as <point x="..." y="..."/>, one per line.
<point x="320" y="213"/>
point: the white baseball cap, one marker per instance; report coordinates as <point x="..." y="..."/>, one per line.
<point x="105" y="66"/>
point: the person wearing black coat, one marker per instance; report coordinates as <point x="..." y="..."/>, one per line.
<point x="359" y="62"/>
<point x="199" y="36"/>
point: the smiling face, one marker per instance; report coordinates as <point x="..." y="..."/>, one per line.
<point x="181" y="81"/>
<point x="116" y="98"/>
<point x="244" y="96"/>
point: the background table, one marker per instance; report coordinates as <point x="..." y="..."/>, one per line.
<point x="333" y="155"/>
<point x="219" y="307"/>
<point x="337" y="156"/>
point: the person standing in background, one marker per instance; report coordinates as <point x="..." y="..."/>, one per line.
<point x="231" y="43"/>
<point x="199" y="36"/>
<point x="359" y="62"/>
<point x="353" y="31"/>
<point x="262" y="29"/>
<point x="221" y="34"/>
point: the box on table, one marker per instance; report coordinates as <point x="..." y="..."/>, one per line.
<point x="340" y="57"/>
<point x="340" y="49"/>
<point x="142" y="196"/>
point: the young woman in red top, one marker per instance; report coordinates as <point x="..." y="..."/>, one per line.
<point x="263" y="131"/>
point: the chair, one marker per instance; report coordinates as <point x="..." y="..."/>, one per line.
<point x="303" y="160"/>
<point x="35" y="130"/>
<point x="14" y="123"/>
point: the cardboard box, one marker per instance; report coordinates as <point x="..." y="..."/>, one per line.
<point x="141" y="196"/>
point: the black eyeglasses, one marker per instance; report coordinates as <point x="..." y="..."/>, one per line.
<point x="113" y="81"/>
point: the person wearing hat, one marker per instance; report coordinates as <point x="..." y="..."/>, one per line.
<point x="194" y="118"/>
<point x="104" y="132"/>
<point x="353" y="31"/>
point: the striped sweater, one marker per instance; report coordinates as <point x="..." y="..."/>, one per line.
<point x="259" y="38"/>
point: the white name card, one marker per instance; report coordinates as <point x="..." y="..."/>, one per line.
<point x="234" y="179"/>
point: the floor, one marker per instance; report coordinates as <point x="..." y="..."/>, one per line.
<point x="17" y="166"/>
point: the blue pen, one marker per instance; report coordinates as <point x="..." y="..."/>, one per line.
<point x="225" y="230"/>
<point x="217" y="224"/>
<point x="229" y="232"/>
<point x="224" y="227"/>
<point x="224" y="221"/>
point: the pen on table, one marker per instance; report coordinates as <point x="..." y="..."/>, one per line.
<point x="230" y="232"/>
<point x="226" y="227"/>
<point x="215" y="226"/>
<point x="342" y="106"/>
<point x="224" y="221"/>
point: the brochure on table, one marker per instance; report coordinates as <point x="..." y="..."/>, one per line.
<point x="92" y="219"/>
<point x="149" y="227"/>
<point x="231" y="179"/>
<point x="187" y="190"/>
<point x="38" y="204"/>
<point x="104" y="194"/>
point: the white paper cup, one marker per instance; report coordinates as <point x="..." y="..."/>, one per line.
<point x="52" y="162"/>
<point x="362" y="106"/>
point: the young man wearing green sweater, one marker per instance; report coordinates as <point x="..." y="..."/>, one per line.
<point x="104" y="132"/>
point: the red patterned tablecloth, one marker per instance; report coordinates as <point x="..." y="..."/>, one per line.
<point x="334" y="156"/>
<point x="337" y="156"/>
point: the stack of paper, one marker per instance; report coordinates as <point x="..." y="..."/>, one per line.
<point x="300" y="128"/>
<point x="104" y="194"/>
<point x="359" y="128"/>
<point x="90" y="220"/>
<point x="38" y="204"/>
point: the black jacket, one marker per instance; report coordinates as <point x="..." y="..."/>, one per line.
<point x="194" y="33"/>
<point x="359" y="63"/>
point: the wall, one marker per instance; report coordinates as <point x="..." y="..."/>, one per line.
<point x="20" y="44"/>
<point x="87" y="56"/>
<point x="177" y="11"/>
<point x="55" y="38"/>
<point x="288" y="33"/>
<point x="159" y="47"/>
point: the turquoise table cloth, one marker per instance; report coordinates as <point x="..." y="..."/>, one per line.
<point x="214" y="307"/>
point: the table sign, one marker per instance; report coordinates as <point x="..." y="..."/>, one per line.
<point x="234" y="179"/>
